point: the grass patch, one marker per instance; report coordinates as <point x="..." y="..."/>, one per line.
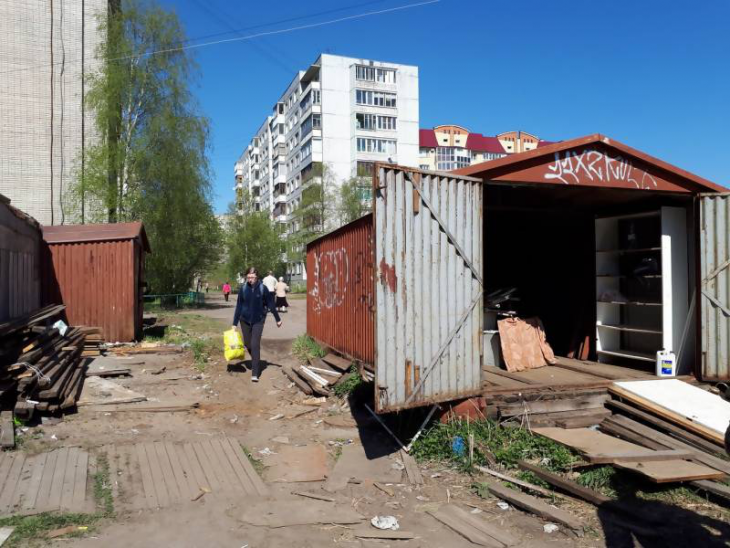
<point x="103" y="487"/>
<point x="257" y="464"/>
<point x="203" y="335"/>
<point x="350" y="384"/>
<point x="508" y="445"/>
<point x="305" y="348"/>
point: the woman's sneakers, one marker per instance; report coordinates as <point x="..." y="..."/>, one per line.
<point x="254" y="378"/>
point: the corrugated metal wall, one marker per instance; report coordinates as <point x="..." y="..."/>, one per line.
<point x="715" y="286"/>
<point x="340" y="290"/>
<point x="428" y="263"/>
<point x="20" y="252"/>
<point x="97" y="282"/>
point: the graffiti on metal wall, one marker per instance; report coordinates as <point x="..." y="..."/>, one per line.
<point x="331" y="272"/>
<point x="572" y="167"/>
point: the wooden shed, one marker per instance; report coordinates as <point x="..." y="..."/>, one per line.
<point x="97" y="271"/>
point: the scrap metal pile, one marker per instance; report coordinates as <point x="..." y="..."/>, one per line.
<point x="41" y="364"/>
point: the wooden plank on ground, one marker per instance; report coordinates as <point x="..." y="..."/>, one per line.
<point x="216" y="466"/>
<point x="670" y="443"/>
<point x="6" y="497"/>
<point x="31" y="494"/>
<point x="535" y="506"/>
<point x="7" y="430"/>
<point x="195" y="468"/>
<point x="590" y="442"/>
<point x="258" y="483"/>
<point x="341" y="364"/>
<point x="717" y="489"/>
<point x="69" y="479"/>
<point x="22" y="488"/>
<point x="82" y="469"/>
<point x="671" y="471"/>
<point x="6" y="462"/>
<point x="44" y="491"/>
<point x="674" y="430"/>
<point x="145" y="471"/>
<point x="691" y="407"/>
<point x="631" y="456"/>
<point x="207" y="466"/>
<point x="566" y="485"/>
<point x="177" y="471"/>
<point x="163" y="497"/>
<point x="225" y="466"/>
<point x="187" y="469"/>
<point x="238" y="469"/>
<point x="172" y="487"/>
<point x="412" y="469"/>
<point x="54" y="498"/>
<point x="507" y="375"/>
<point x="453" y="521"/>
<point x="614" y="429"/>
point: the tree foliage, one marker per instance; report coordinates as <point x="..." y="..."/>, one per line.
<point x="253" y="239"/>
<point x="149" y="162"/>
<point x="354" y="199"/>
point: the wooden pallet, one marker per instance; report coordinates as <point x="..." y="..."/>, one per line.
<point x="160" y="474"/>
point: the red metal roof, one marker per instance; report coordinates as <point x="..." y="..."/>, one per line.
<point x="66" y="234"/>
<point x="594" y="160"/>
<point x="427" y="138"/>
<point x="477" y="141"/>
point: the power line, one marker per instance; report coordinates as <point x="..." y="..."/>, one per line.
<point x="252" y="36"/>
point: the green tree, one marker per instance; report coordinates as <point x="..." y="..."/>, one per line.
<point x="354" y="199"/>
<point x="253" y="239"/>
<point x="316" y="213"/>
<point x="150" y="160"/>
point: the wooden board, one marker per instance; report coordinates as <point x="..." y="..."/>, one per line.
<point x="601" y="370"/>
<point x="412" y="470"/>
<point x="341" y="364"/>
<point x="535" y="506"/>
<point x="689" y="406"/>
<point x="590" y="442"/>
<point x="671" y="471"/>
<point x="671" y="428"/>
<point x="553" y="406"/>
<point x="100" y="391"/>
<point x="566" y="485"/>
<point x="630" y="456"/>
<point x="472" y="528"/>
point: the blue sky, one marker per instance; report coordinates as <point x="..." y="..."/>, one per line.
<point x="652" y="74"/>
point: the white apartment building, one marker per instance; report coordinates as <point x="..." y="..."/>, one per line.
<point x="343" y="113"/>
<point x="47" y="51"/>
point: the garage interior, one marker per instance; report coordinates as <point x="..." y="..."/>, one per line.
<point x="591" y="263"/>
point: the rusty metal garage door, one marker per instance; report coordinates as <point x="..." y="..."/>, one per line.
<point x="428" y="287"/>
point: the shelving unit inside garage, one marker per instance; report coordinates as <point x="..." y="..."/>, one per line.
<point x="641" y="285"/>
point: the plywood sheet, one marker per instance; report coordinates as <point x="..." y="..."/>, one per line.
<point x="697" y="409"/>
<point x="591" y="442"/>
<point x="671" y="471"/>
<point x="294" y="464"/>
<point x="100" y="391"/>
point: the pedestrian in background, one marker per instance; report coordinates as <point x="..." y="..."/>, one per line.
<point x="270" y="282"/>
<point x="254" y="299"/>
<point x="281" y="290"/>
<point x="207" y="286"/>
<point x="226" y="290"/>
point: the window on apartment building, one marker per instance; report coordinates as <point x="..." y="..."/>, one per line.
<point x="316" y="96"/>
<point x="448" y="158"/>
<point x="424" y="166"/>
<point x="306" y="149"/>
<point x="365" y="169"/>
<point x="373" y="121"/>
<point x="383" y="146"/>
<point x="316" y="121"/>
<point x="375" y="98"/>
<point x="372" y="74"/>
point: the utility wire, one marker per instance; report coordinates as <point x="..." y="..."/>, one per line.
<point x="256" y="35"/>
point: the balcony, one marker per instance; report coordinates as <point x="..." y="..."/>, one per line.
<point x="256" y="183"/>
<point x="280" y="199"/>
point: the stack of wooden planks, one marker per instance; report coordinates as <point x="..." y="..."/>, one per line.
<point x="321" y="375"/>
<point x="40" y="368"/>
<point x="94" y="342"/>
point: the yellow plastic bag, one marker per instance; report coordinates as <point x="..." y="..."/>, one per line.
<point x="233" y="348"/>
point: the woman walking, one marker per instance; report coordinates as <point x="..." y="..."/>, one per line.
<point x="281" y="289"/>
<point x="226" y="290"/>
<point x="253" y="301"/>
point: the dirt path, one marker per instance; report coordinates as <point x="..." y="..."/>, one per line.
<point x="260" y="417"/>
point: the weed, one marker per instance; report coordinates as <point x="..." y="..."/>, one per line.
<point x="508" y="445"/>
<point x="305" y="348"/>
<point x="35" y="528"/>
<point x="103" y="487"/>
<point x="601" y="478"/>
<point x="349" y="385"/>
<point x="200" y="353"/>
<point x="257" y="464"/>
<point x="337" y="453"/>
